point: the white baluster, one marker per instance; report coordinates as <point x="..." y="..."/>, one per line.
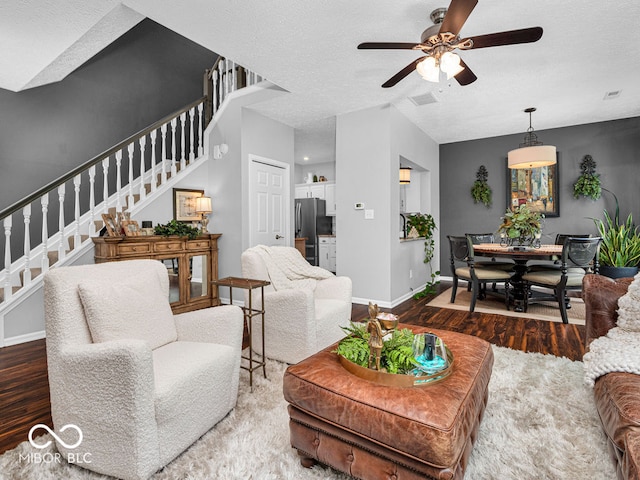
<point x="92" y="200"/>
<point x="130" y="199"/>
<point x="192" y="153"/>
<point x="226" y="77"/>
<point x="44" y="202"/>
<point x="119" y="181"/>
<point x="163" y="135"/>
<point x="234" y="79"/>
<point x="214" y="78"/>
<point x="143" y="144"/>
<point x="221" y="78"/>
<point x="8" y="292"/>
<point x="200" y="129"/>
<point x="26" y="273"/>
<point x="174" y="168"/>
<point x="154" y="173"/>
<point x="76" y="212"/>
<point x="105" y="183"/>
<point x="183" y="121"/>
<point x="61" y="249"/>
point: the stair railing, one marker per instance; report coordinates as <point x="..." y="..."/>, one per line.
<point x="116" y="178"/>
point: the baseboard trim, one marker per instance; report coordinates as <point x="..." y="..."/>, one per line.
<point x="27" y="337"/>
<point x="386" y="304"/>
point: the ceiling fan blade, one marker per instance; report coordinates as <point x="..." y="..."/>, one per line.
<point x="457" y="14"/>
<point x="402" y="73"/>
<point x="381" y="45"/>
<point x="512" y="37"/>
<point x="466" y="76"/>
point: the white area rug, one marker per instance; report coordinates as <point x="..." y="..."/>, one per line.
<point x="540" y="423"/>
<point x="493" y="304"/>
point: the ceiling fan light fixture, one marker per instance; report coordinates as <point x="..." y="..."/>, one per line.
<point x="429" y="70"/>
<point x="531" y="153"/>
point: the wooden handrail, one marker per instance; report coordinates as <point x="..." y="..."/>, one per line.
<point x="95" y="160"/>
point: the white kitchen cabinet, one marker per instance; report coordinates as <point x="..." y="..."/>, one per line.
<point x="327" y="253"/>
<point x="313" y="190"/>
<point x="330" y="198"/>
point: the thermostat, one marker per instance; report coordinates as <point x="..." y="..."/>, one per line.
<point x="359" y="206"/>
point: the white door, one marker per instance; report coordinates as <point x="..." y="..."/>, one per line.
<point x="269" y="202"/>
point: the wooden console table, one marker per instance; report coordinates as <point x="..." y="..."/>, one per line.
<point x="191" y="264"/>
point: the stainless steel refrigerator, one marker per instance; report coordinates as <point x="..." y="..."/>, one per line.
<point x="311" y="221"/>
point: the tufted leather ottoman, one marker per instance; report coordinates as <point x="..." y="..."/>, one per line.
<point x="376" y="432"/>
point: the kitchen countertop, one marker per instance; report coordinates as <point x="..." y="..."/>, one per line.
<point x="330" y="236"/>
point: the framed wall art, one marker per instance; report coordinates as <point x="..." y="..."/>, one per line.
<point x="184" y="205"/>
<point x="535" y="187"/>
<point x="110" y="224"/>
<point x="131" y="228"/>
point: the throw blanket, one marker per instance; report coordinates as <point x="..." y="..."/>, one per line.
<point x="288" y="269"/>
<point x="619" y="349"/>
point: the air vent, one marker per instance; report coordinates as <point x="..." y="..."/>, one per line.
<point x="613" y="94"/>
<point x="425" y="99"/>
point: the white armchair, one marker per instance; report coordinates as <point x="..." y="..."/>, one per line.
<point x="301" y="316"/>
<point x="140" y="383"/>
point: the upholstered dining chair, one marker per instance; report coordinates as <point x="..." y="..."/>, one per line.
<point x="555" y="263"/>
<point x="463" y="267"/>
<point x="140" y="383"/>
<point x="477" y="238"/>
<point x="305" y="306"/>
<point x="579" y="256"/>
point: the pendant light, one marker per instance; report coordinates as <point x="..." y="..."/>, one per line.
<point x="532" y="153"/>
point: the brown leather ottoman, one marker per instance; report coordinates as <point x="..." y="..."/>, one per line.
<point x="373" y="432"/>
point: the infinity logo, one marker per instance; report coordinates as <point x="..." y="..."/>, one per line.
<point x="45" y="427"/>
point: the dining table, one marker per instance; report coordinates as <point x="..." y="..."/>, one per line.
<point x="521" y="255"/>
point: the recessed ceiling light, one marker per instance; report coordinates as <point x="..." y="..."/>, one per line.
<point x="305" y="158"/>
<point x="612" y="94"/>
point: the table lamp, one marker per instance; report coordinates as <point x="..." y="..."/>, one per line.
<point x="203" y="207"/>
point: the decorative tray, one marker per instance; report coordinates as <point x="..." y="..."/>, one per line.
<point x="398" y="380"/>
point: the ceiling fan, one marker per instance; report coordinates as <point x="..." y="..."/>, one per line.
<point x="440" y="40"/>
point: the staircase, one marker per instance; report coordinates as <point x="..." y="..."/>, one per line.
<point x="128" y="176"/>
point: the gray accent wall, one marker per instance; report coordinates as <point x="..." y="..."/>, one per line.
<point x="143" y="76"/>
<point x="614" y="145"/>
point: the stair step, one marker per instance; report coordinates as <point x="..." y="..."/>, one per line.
<point x="34" y="273"/>
<point x="14" y="289"/>
<point x="72" y="240"/>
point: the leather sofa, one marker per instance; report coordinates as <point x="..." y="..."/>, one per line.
<point x="617" y="394"/>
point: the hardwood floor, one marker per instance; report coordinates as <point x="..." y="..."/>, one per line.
<point x="24" y="386"/>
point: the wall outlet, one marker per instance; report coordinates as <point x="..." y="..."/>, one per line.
<point x="368" y="214"/>
<point x="410" y="273"/>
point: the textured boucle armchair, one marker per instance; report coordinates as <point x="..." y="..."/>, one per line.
<point x="140" y="383"/>
<point x="298" y="321"/>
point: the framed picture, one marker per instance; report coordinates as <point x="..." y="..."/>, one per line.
<point x="110" y="224"/>
<point x="535" y="187"/>
<point x="184" y="205"/>
<point x="131" y="228"/>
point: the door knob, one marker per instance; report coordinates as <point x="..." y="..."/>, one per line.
<point x="278" y="237"/>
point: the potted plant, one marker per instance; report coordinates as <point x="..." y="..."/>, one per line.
<point x="176" y="228"/>
<point x="521" y="226"/>
<point x="425" y="224"/>
<point x="588" y="184"/>
<point x="481" y="191"/>
<point x="620" y="247"/>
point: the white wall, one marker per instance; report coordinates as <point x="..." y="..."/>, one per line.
<point x="363" y="175"/>
<point x="411" y="143"/>
<point x="369" y="144"/>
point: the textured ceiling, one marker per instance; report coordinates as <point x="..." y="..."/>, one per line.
<point x="588" y="48"/>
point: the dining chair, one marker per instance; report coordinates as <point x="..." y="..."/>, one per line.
<point x="579" y="256"/>
<point x="463" y="267"/>
<point x="555" y="263"/>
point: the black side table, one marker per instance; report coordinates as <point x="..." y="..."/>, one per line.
<point x="249" y="313"/>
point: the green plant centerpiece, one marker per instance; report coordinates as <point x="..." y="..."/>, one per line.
<point x="425" y="225"/>
<point x="588" y="184"/>
<point x="620" y="247"/>
<point x="177" y="228"/>
<point x="521" y="226"/>
<point x="481" y="191"/>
